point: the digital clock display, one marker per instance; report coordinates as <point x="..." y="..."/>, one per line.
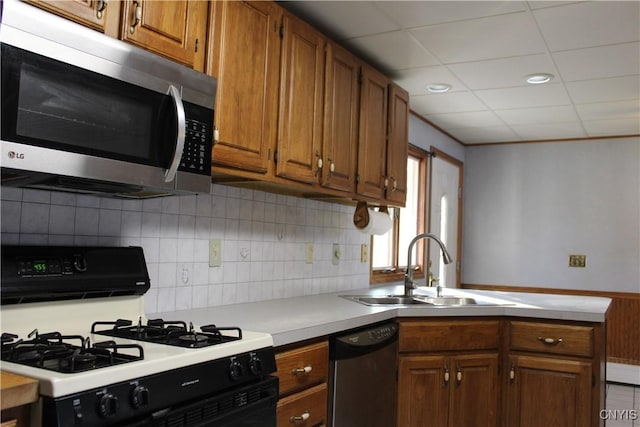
<point x="40" y="267"/>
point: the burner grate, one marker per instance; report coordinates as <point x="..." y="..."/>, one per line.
<point x="65" y="353"/>
<point x="175" y="333"/>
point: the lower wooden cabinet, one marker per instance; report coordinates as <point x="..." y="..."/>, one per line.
<point x="303" y="372"/>
<point x="554" y="374"/>
<point x="548" y="392"/>
<point x="448" y="391"/>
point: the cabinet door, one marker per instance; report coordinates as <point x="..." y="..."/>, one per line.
<point x="423" y="391"/>
<point x="372" y="139"/>
<point x="301" y="88"/>
<point x="397" y="145"/>
<point x="340" y="137"/>
<point x="175" y="29"/>
<point x="474" y="391"/>
<point x="100" y="15"/>
<point x="548" y="392"/>
<point x="245" y="57"/>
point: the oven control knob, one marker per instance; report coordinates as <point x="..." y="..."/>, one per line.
<point x="139" y="397"/>
<point x="255" y="364"/>
<point x="235" y="369"/>
<point x="107" y="405"/>
<point x="79" y="263"/>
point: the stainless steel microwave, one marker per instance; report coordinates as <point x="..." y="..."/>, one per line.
<point x="87" y="113"/>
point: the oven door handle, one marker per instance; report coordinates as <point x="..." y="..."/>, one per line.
<point x="170" y="173"/>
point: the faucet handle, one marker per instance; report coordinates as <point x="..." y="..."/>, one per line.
<point x="439" y="290"/>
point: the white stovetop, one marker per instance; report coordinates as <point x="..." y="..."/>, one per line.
<point x="76" y="317"/>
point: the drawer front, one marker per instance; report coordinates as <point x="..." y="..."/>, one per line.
<point x="569" y="340"/>
<point x="449" y="335"/>
<point x="302" y="367"/>
<point x="305" y="409"/>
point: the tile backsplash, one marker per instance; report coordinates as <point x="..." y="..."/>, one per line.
<point x="264" y="238"/>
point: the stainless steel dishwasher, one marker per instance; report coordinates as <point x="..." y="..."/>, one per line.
<point x="363" y="378"/>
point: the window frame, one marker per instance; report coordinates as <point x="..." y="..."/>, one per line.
<point x="397" y="271"/>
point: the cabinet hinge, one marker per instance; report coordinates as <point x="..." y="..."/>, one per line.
<point x="459" y="192"/>
<point x="360" y="77"/>
<point x="281" y="31"/>
<point x="275" y="156"/>
<point x="196" y="45"/>
<point x="458" y="266"/>
<point x="357" y="178"/>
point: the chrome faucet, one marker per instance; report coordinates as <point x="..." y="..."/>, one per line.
<point x="409" y="285"/>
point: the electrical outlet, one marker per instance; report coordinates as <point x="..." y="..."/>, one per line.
<point x="336" y="253"/>
<point x="309" y="256"/>
<point x="215" y="253"/>
<point x="577" y="260"/>
<point x="364" y="252"/>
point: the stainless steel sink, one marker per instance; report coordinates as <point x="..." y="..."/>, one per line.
<point x="395" y="300"/>
<point x="447" y="300"/>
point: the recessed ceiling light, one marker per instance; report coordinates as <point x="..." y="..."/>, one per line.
<point x="536" y="79"/>
<point x="438" y="87"/>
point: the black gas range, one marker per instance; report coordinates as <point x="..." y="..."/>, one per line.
<point x="73" y="318"/>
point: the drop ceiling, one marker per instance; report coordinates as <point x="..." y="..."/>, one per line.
<point x="485" y="49"/>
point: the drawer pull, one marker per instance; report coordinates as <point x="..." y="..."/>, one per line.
<point x="550" y="341"/>
<point x="446" y="375"/>
<point x="512" y="373"/>
<point x="302" y="371"/>
<point x="458" y="374"/>
<point x="304" y="417"/>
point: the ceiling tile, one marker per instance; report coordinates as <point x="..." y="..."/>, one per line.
<point x="589" y="24"/>
<point x="484" y="134"/>
<point x="519" y="116"/>
<point x="464" y="120"/>
<point x="395" y="50"/>
<point x="524" y="97"/>
<point x="599" y="62"/>
<point x="411" y="14"/>
<point x="501" y="73"/>
<point x="610" y="110"/>
<point x="612" y="127"/>
<point x="415" y="80"/>
<point x="485" y="38"/>
<point x="532" y="132"/>
<point x="453" y="102"/>
<point x="604" y="90"/>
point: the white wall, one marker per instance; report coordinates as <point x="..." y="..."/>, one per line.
<point x="528" y="206"/>
<point x="423" y="135"/>
<point x="263" y="237"/>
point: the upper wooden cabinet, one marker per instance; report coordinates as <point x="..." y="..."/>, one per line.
<point x="245" y="57"/>
<point x="341" y="107"/>
<point x="175" y="29"/>
<point x="397" y="146"/>
<point x="101" y="15"/>
<point x="372" y="139"/>
<point x="299" y="154"/>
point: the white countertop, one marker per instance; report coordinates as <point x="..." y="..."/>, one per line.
<point x="296" y="319"/>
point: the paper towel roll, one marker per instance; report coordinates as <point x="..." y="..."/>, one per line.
<point x="379" y="223"/>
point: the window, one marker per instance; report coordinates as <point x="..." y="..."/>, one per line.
<point x="389" y="251"/>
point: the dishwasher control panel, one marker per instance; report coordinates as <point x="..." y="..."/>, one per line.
<point x="371" y="336"/>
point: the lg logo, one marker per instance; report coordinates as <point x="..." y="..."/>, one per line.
<point x="14" y="155"/>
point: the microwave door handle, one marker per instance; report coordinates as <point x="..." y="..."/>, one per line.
<point x="170" y="173"/>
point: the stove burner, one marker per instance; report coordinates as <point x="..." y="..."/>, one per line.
<point x="174" y="333"/>
<point x="57" y="352"/>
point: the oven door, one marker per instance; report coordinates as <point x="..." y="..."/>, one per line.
<point x="252" y="405"/>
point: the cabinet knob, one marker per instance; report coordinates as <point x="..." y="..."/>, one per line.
<point x="512" y="373"/>
<point x="446" y="375"/>
<point x="301" y="371"/>
<point x="458" y="374"/>
<point x="550" y="341"/>
<point x="100" y="7"/>
<point x="137" y="16"/>
<point x="302" y="417"/>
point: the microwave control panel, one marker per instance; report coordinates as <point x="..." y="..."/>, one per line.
<point x="196" y="156"/>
